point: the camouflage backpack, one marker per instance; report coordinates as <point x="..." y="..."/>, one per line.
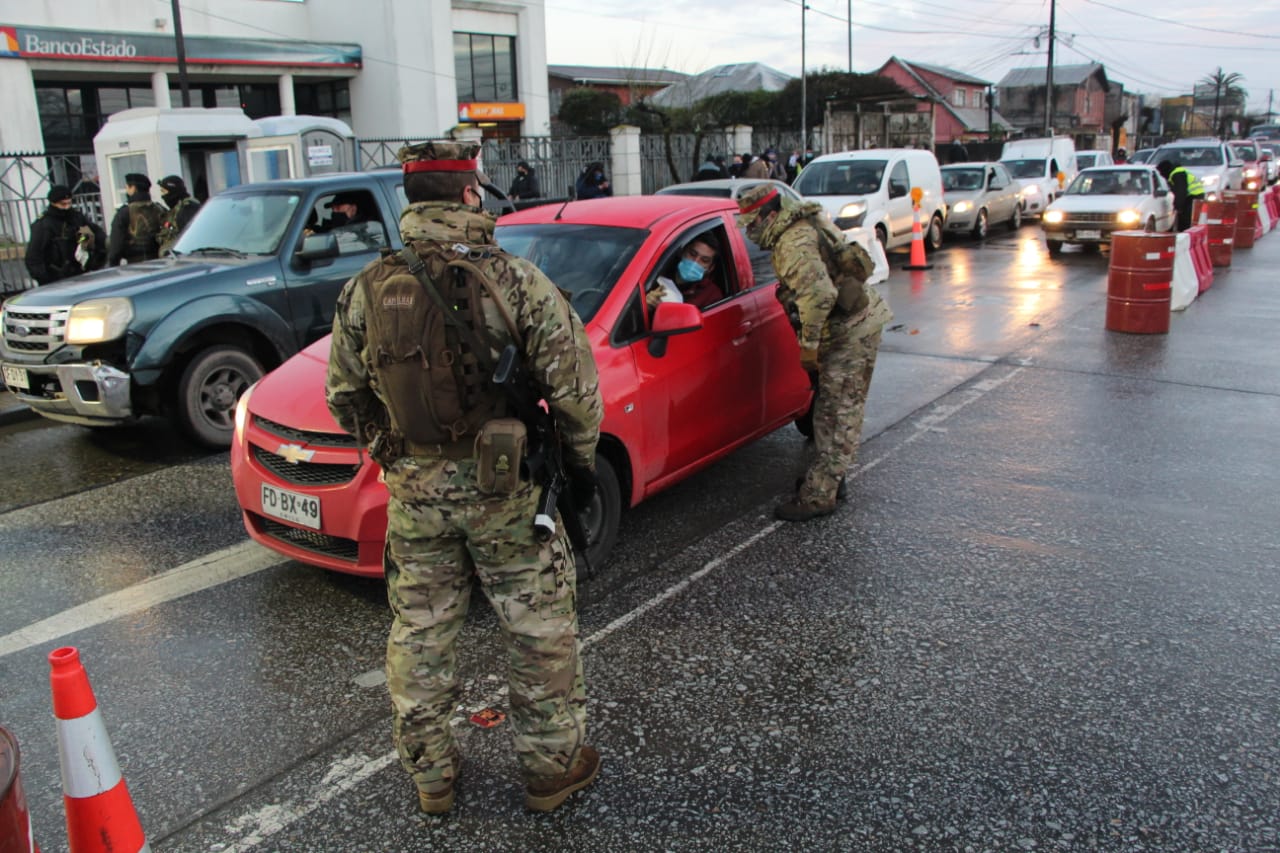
<point x="145" y="221"/>
<point x="169" y="229"/>
<point x="436" y="388"/>
<point x="853" y="264"/>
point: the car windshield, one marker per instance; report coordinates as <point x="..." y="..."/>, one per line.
<point x="709" y="192"/>
<point x="962" y="179"/>
<point x="1245" y="152"/>
<point x="840" y="177"/>
<point x="1086" y="161"/>
<point x="250" y="224"/>
<point x="1025" y="168"/>
<point x="1197" y="155"/>
<point x="1110" y="182"/>
<point x="583" y="260"/>
<point x="1142" y="156"/>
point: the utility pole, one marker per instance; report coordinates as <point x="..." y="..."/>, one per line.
<point x="849" y="13"/>
<point x="182" y="55"/>
<point x="991" y="96"/>
<point x="1048" y="74"/>
<point x="804" y="94"/>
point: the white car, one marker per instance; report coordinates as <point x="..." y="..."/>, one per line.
<point x="1112" y="198"/>
<point x="1211" y="160"/>
<point x="726" y="188"/>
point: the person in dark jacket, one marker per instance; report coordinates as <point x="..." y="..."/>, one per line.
<point x="1186" y="190"/>
<point x="711" y="169"/>
<point x="135" y="229"/>
<point x="55" y="237"/>
<point x="526" y="183"/>
<point x="592" y="183"/>
<point x="173" y="192"/>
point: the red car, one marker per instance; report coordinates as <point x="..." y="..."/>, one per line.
<point x="1254" y="174"/>
<point x="682" y="387"/>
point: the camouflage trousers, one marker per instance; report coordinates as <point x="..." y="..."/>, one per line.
<point x="440" y="531"/>
<point x="846" y="360"/>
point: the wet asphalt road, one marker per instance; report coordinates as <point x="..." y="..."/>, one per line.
<point x="1048" y="617"/>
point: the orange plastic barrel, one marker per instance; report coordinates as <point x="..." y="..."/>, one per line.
<point x="1220" y="216"/>
<point x="15" y="821"/>
<point x="1140" y="282"/>
<point x="1246" y="216"/>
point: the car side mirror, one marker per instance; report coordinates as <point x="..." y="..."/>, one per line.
<point x="317" y="247"/>
<point x="672" y="318"/>
<point x="896" y="190"/>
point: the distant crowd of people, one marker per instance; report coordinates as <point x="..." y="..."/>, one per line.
<point x="766" y="165"/>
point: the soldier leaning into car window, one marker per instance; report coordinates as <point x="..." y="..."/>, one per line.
<point x="822" y="282"/>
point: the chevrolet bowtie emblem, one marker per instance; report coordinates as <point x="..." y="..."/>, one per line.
<point x="294" y="453"/>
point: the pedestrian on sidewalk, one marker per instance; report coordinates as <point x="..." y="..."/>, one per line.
<point x="63" y="241"/>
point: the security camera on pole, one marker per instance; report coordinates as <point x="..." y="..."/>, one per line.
<point x="917" y="234"/>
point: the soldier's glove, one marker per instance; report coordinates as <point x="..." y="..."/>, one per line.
<point x="809" y="359"/>
<point x="582" y="485"/>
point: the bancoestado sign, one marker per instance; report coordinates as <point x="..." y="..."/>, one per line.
<point x="18" y="42"/>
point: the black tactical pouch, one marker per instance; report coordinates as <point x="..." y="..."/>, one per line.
<point x="500" y="449"/>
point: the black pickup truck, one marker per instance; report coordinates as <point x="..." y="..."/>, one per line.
<point x="251" y="281"/>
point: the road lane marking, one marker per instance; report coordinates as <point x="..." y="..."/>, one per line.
<point x="202" y="573"/>
<point x="262" y="823"/>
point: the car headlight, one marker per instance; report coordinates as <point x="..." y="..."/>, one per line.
<point x="1250" y="172"/>
<point x="853" y="209"/>
<point x="99" y="320"/>
<point x="1053" y="217"/>
<point x="242" y="412"/>
<point x="962" y="207"/>
<point x="1128" y="217"/>
<point x="1031" y="189"/>
<point x="1210" y="181"/>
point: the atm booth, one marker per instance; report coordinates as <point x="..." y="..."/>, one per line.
<point x="215" y="148"/>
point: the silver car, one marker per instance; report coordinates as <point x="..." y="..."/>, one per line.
<point x="979" y="195"/>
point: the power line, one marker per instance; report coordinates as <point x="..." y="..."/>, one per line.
<point x="1180" y="23"/>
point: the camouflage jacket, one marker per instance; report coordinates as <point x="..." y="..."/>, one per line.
<point x="556" y="351"/>
<point x="805" y="286"/>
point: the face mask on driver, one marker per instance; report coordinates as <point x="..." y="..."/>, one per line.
<point x="689" y="270"/>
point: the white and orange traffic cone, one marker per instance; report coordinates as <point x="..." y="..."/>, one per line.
<point x="917" y="261"/>
<point x="100" y="813"/>
<point x="15" y="820"/>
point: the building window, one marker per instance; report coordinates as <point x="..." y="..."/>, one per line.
<point x="975" y="100"/>
<point x="485" y="67"/>
<point x="957" y="97"/>
<point x="328" y="98"/>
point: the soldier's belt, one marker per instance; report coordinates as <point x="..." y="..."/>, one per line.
<point x="461" y="449"/>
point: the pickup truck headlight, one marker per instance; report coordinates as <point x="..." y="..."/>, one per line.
<point x="1053" y="217"/>
<point x="99" y="320"/>
<point x="1128" y="217"/>
<point x="962" y="207"/>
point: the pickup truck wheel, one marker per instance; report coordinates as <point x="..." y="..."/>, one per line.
<point x="601" y="518"/>
<point x="209" y="389"/>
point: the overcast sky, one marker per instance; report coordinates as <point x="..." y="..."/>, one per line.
<point x="1151" y="47"/>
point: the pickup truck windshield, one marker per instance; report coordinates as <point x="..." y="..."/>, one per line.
<point x="250" y="224"/>
<point x="584" y="260"/>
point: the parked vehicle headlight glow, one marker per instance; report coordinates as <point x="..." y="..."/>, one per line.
<point x="962" y="207"/>
<point x="1250" y="172"/>
<point x="1210" y="180"/>
<point x="1129" y="217"/>
<point x="1031" y="189"/>
<point x="242" y="411"/>
<point x="853" y="209"/>
<point x="1053" y="217"/>
<point x="99" y="320"/>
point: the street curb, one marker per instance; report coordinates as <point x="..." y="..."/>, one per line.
<point x="11" y="411"/>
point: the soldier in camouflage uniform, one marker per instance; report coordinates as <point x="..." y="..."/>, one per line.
<point x="442" y="528"/>
<point x="182" y="207"/>
<point x="838" y="318"/>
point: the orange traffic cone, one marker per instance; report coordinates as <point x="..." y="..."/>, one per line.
<point x="15" y="820"/>
<point x="917" y="244"/>
<point x="100" y="814"/>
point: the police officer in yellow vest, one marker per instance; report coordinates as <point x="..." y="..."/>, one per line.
<point x="1186" y="189"/>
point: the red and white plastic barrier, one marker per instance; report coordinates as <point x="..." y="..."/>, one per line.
<point x="100" y="813"/>
<point x="1199" y="248"/>
<point x="1186" y="280"/>
<point x="15" y="819"/>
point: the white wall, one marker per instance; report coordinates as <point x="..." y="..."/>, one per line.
<point x="20" y="129"/>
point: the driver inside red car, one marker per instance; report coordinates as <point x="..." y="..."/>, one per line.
<point x="692" y="281"/>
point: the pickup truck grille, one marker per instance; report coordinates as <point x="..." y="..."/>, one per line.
<point x="35" y="330"/>
<point x="1100" y="218"/>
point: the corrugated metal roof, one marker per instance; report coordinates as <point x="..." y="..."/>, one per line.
<point x="615" y="76"/>
<point x="737" y="77"/>
<point x="949" y="73"/>
<point x="975" y="118"/>
<point x="1063" y="75"/>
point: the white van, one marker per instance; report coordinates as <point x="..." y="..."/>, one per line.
<point x="872" y="189"/>
<point x="1037" y="163"/>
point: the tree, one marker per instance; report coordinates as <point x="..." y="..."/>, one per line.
<point x="1226" y="89"/>
<point x="590" y="112"/>
<point x="828" y="85"/>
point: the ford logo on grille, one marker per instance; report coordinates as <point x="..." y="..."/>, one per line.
<point x="21" y="331"/>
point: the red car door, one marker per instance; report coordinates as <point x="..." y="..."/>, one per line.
<point x="704" y="392"/>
